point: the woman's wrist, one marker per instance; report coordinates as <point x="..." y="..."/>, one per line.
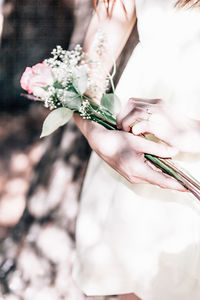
<point x="89" y="129"/>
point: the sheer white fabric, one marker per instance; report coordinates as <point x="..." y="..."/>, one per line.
<point x="140" y="238"/>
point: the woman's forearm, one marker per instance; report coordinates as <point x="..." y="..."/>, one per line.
<point x="116" y="30"/>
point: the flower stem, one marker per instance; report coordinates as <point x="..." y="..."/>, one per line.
<point x="100" y="121"/>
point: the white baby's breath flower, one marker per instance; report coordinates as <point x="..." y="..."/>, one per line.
<point x="85" y="110"/>
<point x="63" y="64"/>
<point x="69" y="58"/>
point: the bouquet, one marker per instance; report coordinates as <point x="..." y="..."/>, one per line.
<point x="63" y="83"/>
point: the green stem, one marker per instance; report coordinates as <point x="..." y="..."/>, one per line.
<point x="112" y="84"/>
<point x="103" y="116"/>
<point x="100" y="121"/>
<point x="99" y="113"/>
<point x="188" y="181"/>
<point x="156" y="161"/>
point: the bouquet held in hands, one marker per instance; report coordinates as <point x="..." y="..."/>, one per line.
<point x="64" y="84"/>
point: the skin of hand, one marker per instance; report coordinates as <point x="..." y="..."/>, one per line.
<point x="153" y="116"/>
<point x="125" y="153"/>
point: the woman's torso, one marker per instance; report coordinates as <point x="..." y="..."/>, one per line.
<point x="139" y="232"/>
<point x="166" y="62"/>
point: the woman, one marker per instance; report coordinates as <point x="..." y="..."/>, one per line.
<point x="138" y="231"/>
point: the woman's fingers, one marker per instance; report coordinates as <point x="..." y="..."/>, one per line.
<point x="143" y="145"/>
<point x="126" y="111"/>
<point x="136" y="110"/>
<point x="132" y="107"/>
<point x="138" y="115"/>
<point x="161" y="179"/>
<point x="143" y="127"/>
<point x="161" y="131"/>
<point x="146" y="101"/>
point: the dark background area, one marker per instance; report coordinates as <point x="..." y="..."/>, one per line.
<point x="31" y="30"/>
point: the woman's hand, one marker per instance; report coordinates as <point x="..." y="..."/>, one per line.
<point x="125" y="153"/>
<point x="155" y="117"/>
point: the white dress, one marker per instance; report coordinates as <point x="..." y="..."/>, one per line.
<point x="140" y="238"/>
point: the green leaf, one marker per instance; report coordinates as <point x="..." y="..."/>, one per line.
<point x="111" y="102"/>
<point x="80" y="79"/>
<point x="57" y="85"/>
<point x="45" y="88"/>
<point x="55" y="119"/>
<point x="72" y="100"/>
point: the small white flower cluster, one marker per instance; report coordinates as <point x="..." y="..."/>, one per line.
<point x="49" y="103"/>
<point x="63" y="64"/>
<point x="69" y="58"/>
<point x="85" y="110"/>
<point x="60" y="94"/>
<point x="51" y="100"/>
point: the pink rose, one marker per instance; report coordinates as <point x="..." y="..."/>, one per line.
<point x="34" y="79"/>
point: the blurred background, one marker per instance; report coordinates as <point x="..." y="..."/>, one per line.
<point x="40" y="179"/>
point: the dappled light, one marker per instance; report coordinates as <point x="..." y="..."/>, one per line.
<point x="40" y="179"/>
